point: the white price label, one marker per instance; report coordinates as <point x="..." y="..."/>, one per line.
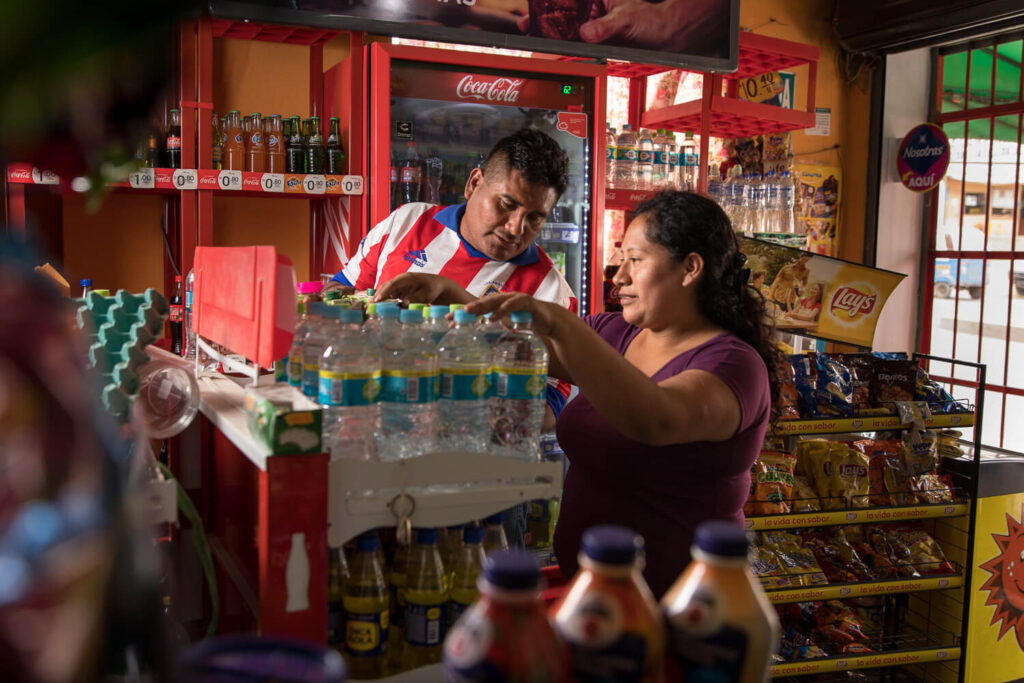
<point x="230" y="180"/>
<point x="272" y="182"/>
<point x="352" y="184"/>
<point x="143" y="179"/>
<point x="314" y="184"/>
<point x="186" y="179"/>
<point x="47" y="178"/>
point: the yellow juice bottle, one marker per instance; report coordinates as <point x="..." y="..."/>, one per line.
<point x="396" y="587"/>
<point x="337" y="575"/>
<point x="366" y="613"/>
<point x="468" y="564"/>
<point x="425" y="602"/>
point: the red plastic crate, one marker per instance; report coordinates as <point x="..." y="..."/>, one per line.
<point x="248" y="30"/>
<point x="761" y="54"/>
<point x="729" y="118"/>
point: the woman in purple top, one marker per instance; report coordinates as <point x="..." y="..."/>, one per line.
<point x="675" y="391"/>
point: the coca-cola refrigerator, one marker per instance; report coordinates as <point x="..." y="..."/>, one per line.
<point x="452" y="106"/>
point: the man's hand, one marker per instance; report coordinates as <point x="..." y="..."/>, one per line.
<point x="423" y="288"/>
<point x="335" y="286"/>
<point x="668" y="26"/>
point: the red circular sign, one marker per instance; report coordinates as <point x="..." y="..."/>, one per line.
<point x="923" y="157"/>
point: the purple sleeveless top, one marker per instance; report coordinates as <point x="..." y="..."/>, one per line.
<point x="661" y="492"/>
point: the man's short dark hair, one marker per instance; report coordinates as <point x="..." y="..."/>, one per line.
<point x="535" y="155"/>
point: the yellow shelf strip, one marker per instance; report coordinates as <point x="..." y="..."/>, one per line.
<point x="862" y="589"/>
<point x="859" y="516"/>
<point x="869" y="661"/>
<point x="843" y="425"/>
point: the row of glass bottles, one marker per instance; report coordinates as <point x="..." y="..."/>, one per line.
<point x="754" y="203"/>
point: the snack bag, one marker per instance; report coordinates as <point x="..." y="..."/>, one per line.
<point x="768" y="568"/>
<point x="813" y="461"/>
<point x="925" y="554"/>
<point x="949" y="443"/>
<point x="771" y="484"/>
<point x="800" y="564"/>
<point x="795" y="645"/>
<point x="894" y="549"/>
<point x="805" y="380"/>
<point x="804" y="497"/>
<point x="849" y="484"/>
<point x="789" y="398"/>
<point x="920" y="452"/>
<point x="935" y="395"/>
<point x="837" y="622"/>
<point x="833" y="387"/>
<point x="933" y="488"/>
<point x="882" y="456"/>
<point x="862" y="368"/>
<point x="894" y="380"/>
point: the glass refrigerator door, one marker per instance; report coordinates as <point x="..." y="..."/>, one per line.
<point x="444" y="122"/>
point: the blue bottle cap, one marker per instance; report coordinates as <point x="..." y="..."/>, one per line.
<point x="511" y="569"/>
<point x="522" y="317"/>
<point x="611" y="544"/>
<point x="85" y="282"/>
<point x="724" y="539"/>
<point x="438" y="311"/>
<point x="425" y="536"/>
<point x="410" y="317"/>
<point x="351" y="315"/>
<point x="473" y="534"/>
<point x="368" y="542"/>
<point x="464" y="317"/>
<point x="387" y="309"/>
<point x="495" y="519"/>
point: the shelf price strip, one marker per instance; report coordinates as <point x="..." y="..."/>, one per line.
<point x="867" y="424"/>
<point x="860" y="516"/>
<point x="859" y="590"/>
<point x="872" y="661"/>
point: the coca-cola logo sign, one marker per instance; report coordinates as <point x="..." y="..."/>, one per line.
<point x="496" y="90"/>
<point x="852" y="302"/>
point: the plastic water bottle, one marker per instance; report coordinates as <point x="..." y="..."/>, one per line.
<point x="715" y="186"/>
<point x="672" y="174"/>
<point x="189" y="353"/>
<point x="491" y="329"/>
<point x="688" y="161"/>
<point x="661" y="160"/>
<point x="770" y="221"/>
<point x="754" y="204"/>
<point x="409" y="378"/>
<point x="426" y="602"/>
<point x="313" y="347"/>
<point x="625" y="171"/>
<point x="437" y="326"/>
<point x="609" y="154"/>
<point x="465" y="360"/>
<point x="738" y="197"/>
<point x="384" y="325"/>
<point x="350" y="390"/>
<point x="645" y="161"/>
<point x="787" y="203"/>
<point x="520" y="378"/>
<point x="308" y="319"/>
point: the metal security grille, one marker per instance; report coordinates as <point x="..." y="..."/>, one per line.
<point x="974" y="291"/>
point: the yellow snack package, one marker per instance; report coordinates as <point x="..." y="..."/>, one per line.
<point x="850" y="480"/>
<point x="805" y="499"/>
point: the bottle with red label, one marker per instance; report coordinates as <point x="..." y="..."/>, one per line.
<point x="233" y="154"/>
<point x="275" y="145"/>
<point x="412" y="175"/>
<point x="255" y="145"/>
<point x="505" y="635"/>
<point x="396" y="186"/>
<point x="176" y="317"/>
<point x="609" y="616"/>
<point x="172" y="143"/>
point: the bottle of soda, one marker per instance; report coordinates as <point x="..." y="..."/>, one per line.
<point x="335" y="150"/>
<point x="412" y="175"/>
<point x="177" y="316"/>
<point x="366" y="612"/>
<point x="396" y="185"/>
<point x="434" y="166"/>
<point x="233" y="157"/>
<point x="426" y="602"/>
<point x="256" y="146"/>
<point x="275" y="145"/>
<point x="172" y="143"/>
<point x="337" y="574"/>
<point x="468" y="562"/>
<point x="217" y="142"/>
<point x="295" y="148"/>
<point x="315" y="147"/>
<point x="154" y="149"/>
<point x="495" y="537"/>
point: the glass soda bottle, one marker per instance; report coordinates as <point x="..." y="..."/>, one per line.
<point x="720" y="624"/>
<point x="366" y="612"/>
<point x="396" y="186"/>
<point x="233" y="155"/>
<point x="520" y="382"/>
<point x="426" y="602"/>
<point x="335" y="150"/>
<point x="217" y="142"/>
<point x="337" y="575"/>
<point x="467" y="562"/>
<point x="315" y="147"/>
<point x="295" y="148"/>
<point x="154" y="149"/>
<point x="608" y="615"/>
<point x="172" y="143"/>
<point x="412" y="175"/>
<point x="275" y="145"/>
<point x="256" y="146"/>
<point x="506" y="635"/>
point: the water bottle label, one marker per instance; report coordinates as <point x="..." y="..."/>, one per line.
<point x="310" y="379"/>
<point x="645" y="156"/>
<point x="424" y="624"/>
<point x="662" y="157"/>
<point x="690" y="160"/>
<point x="517" y="384"/>
<point x="673" y="158"/>
<point x="349" y="388"/>
<point x="188" y="299"/>
<point x="366" y="633"/>
<point x="281" y="370"/>
<point x="625" y="154"/>
<point x="609" y="153"/>
<point x="465" y="385"/>
<point x="295" y="371"/>
<point x="409" y="387"/>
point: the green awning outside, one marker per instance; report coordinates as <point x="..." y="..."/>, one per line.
<point x="976" y="89"/>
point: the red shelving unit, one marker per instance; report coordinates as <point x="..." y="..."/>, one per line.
<point x="729" y="118"/>
<point x="248" y="30"/>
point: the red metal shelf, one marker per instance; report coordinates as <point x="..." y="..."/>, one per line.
<point x="729" y="118"/>
<point x="247" y="30"/>
<point x="761" y="54"/>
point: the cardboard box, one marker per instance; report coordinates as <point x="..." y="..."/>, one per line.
<point x="284" y="419"/>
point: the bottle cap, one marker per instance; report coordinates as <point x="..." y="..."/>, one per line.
<point x="417" y="307"/>
<point x="371" y="308"/>
<point x="610" y="544"/>
<point x="522" y="317"/>
<point x="101" y="292"/>
<point x="425" y="536"/>
<point x="332" y="296"/>
<point x="371" y="291"/>
<point x="174" y="111"/>
<point x="334" y="118"/>
<point x="309" y="287"/>
<point x="314" y="118"/>
<point x="387" y="309"/>
<point x="456" y="307"/>
<point x="511" y="569"/>
<point x="410" y="316"/>
<point x="473" y="534"/>
<point x="351" y="315"/>
<point x="368" y="542"/>
<point x="724" y="539"/>
<point x="438" y="311"/>
<point x="316" y="308"/>
<point x="85" y="282"/>
<point x="626" y="127"/>
<point x="494" y="519"/>
<point x="464" y="317"/>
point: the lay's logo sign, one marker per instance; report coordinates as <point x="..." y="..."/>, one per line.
<point x="852" y="303"/>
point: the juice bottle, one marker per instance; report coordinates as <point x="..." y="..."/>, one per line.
<point x="397" y="582"/>
<point x="608" y="616"/>
<point x="495" y="537"/>
<point x="233" y="154"/>
<point x="315" y="147"/>
<point x="720" y="623"/>
<point x="256" y="146"/>
<point x="275" y="145"/>
<point x="449" y="542"/>
<point x="366" y="612"/>
<point x="337" y="574"/>
<point x="506" y="636"/>
<point x="425" y="602"/>
<point x="468" y="561"/>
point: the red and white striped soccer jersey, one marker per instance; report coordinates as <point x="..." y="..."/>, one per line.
<point x="423" y="238"/>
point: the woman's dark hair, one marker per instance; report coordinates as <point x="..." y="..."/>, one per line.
<point x="686" y="223"/>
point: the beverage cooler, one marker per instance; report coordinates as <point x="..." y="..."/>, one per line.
<point x="434" y="114"/>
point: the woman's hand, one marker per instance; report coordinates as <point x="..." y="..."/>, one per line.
<point x="548" y="318"/>
<point x="423" y="288"/>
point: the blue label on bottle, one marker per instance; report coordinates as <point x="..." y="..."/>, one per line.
<point x="366" y="633"/>
<point x="609" y="153"/>
<point x="519" y="384"/>
<point x="689" y="160"/>
<point x="310" y="379"/>
<point x="281" y="370"/>
<point x="188" y="299"/>
<point x="409" y="387"/>
<point x="673" y="158"/>
<point x="465" y="385"/>
<point x="625" y="154"/>
<point x="425" y="624"/>
<point x="646" y="156"/>
<point x="662" y="157"/>
<point x="349" y="389"/>
<point x="295" y="370"/>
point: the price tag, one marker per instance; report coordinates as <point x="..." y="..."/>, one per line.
<point x="272" y="182"/>
<point x="352" y="184"/>
<point x="230" y="180"/>
<point x="45" y="177"/>
<point x="186" y="179"/>
<point x="760" y="88"/>
<point x="143" y="179"/>
<point x="314" y="184"/>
